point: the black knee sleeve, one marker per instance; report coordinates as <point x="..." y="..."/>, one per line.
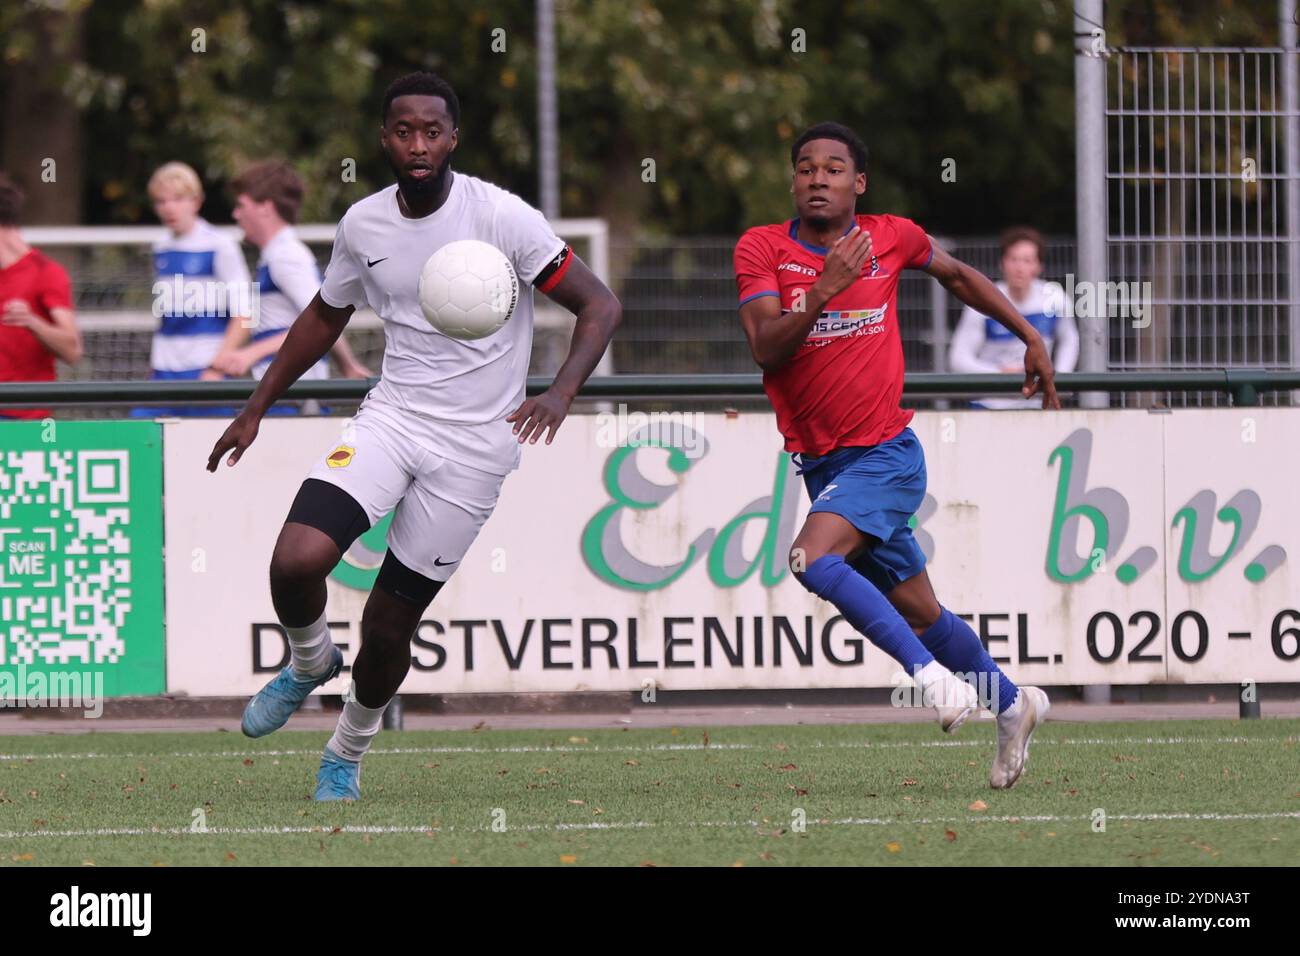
<point x="401" y="582"/>
<point x="330" y="509"/>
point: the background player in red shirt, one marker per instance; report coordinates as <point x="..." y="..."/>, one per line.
<point x="37" y="324"/>
<point x="818" y="301"/>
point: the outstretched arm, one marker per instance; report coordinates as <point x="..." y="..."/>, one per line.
<point x="974" y="289"/>
<point x="598" y="314"/>
<point x="309" y="338"/>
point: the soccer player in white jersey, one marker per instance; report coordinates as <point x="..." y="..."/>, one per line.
<point x="981" y="344"/>
<point x="434" y="439"/>
<point x="268" y="196"/>
<point x="202" y="274"/>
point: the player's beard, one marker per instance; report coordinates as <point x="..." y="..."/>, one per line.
<point x="418" y="189"/>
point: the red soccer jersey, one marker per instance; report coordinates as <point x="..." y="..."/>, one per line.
<point x="843" y="386"/>
<point x="44" y="285"/>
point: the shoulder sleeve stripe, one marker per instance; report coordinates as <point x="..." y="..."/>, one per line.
<point x="759" y="295"/>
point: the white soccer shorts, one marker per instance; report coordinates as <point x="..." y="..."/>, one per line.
<point x="441" y="504"/>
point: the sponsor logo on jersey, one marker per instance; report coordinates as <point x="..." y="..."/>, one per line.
<point x="797" y="267"/>
<point x="340" y="457"/>
<point x="832" y="324"/>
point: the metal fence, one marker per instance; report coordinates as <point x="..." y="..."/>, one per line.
<point x="1197" y="186"/>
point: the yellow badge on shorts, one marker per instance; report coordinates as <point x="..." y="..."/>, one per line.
<point x="340" y="457"/>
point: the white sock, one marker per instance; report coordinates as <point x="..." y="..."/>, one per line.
<point x="356" y="728"/>
<point x="310" y="648"/>
<point x="1016" y="707"/>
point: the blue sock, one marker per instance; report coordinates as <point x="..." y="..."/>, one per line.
<point x="957" y="647"/>
<point x="866" y="609"/>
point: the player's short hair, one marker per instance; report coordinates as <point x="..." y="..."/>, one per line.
<point x="836" y="131"/>
<point x="1022" y="234"/>
<point x="422" y="83"/>
<point x="178" y="176"/>
<point x="11" y="201"/>
<point x="273" y="179"/>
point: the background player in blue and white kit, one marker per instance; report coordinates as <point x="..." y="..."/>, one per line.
<point x="437" y="436"/>
<point x="981" y="344"/>
<point x="211" y="270"/>
<point x="268" y="196"/>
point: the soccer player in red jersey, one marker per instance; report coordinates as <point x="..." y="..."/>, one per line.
<point x="37" y="323"/>
<point x="818" y="302"/>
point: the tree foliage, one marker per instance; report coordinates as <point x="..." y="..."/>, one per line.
<point x="676" y="116"/>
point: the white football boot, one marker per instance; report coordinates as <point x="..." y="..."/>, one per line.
<point x="953" y="698"/>
<point x="1015" y="730"/>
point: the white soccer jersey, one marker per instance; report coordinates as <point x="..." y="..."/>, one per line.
<point x="287" y="281"/>
<point x="209" y="265"/>
<point x="982" y="344"/>
<point x="450" y="395"/>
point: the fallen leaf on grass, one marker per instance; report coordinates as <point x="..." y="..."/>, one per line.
<point x="568" y="858"/>
<point x="894" y="847"/>
<point x="978" y="805"/>
<point x="950" y="835"/>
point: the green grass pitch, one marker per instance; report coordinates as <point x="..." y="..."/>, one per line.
<point x="1209" y="793"/>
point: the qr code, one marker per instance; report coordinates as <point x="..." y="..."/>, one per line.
<point x="65" y="556"/>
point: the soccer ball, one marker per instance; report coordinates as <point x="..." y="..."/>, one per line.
<point x="468" y="289"/>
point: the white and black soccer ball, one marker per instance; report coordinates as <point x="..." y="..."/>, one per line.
<point x="468" y="289"/>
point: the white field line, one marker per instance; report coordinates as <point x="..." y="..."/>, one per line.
<point x="658" y="748"/>
<point x="630" y="825"/>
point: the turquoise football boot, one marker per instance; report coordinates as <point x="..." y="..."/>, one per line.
<point x="338" y="779"/>
<point x="273" y="705"/>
